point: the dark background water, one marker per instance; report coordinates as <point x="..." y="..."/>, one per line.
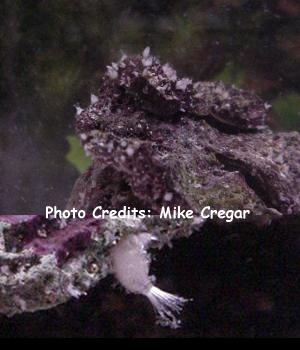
<point x="52" y="55"/>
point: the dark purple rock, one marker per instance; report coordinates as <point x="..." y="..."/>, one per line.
<point x="155" y="140"/>
<point x="162" y="140"/>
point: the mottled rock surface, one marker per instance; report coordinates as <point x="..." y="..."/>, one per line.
<point x="44" y="263"/>
<point x="157" y="139"/>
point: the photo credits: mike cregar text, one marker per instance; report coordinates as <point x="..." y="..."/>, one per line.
<point x="166" y="212"/>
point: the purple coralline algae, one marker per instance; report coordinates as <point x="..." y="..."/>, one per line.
<point x="45" y="262"/>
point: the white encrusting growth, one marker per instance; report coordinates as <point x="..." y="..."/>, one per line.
<point x="94" y="99"/>
<point x="112" y="71"/>
<point x="169" y="72"/>
<point x="79" y="110"/>
<point x="146" y="52"/>
<point x="183" y="83"/>
<point x="130" y="264"/>
<point x="147" y="60"/>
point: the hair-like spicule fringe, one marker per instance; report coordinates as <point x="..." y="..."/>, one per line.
<point x="166" y="306"/>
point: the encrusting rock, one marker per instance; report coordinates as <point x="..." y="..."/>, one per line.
<point x="155" y="140"/>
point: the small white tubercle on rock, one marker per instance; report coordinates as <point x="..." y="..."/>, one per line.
<point x="94" y="99"/>
<point x="79" y="110"/>
<point x="131" y="263"/>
